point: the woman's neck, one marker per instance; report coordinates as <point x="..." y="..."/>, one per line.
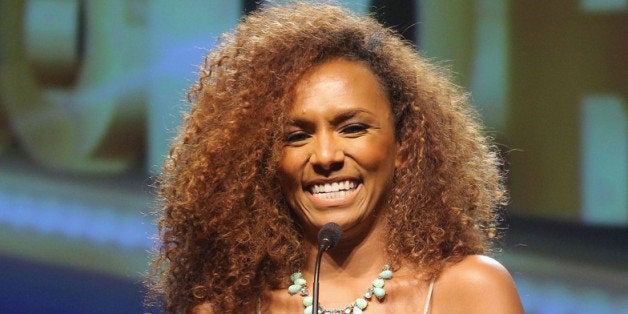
<point x="355" y="256"/>
<point x="347" y="270"/>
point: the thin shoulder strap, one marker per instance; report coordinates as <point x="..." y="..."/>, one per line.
<point x="259" y="305"/>
<point x="429" y="296"/>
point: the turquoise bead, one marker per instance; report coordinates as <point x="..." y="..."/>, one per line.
<point x="378" y="283"/>
<point x="308" y="310"/>
<point x="294" y="289"/>
<point x="309" y="300"/>
<point x="357" y="310"/>
<point x="296" y="275"/>
<point x="386" y="274"/>
<point x="300" y="282"/>
<point x="361" y="303"/>
<point x="379" y="292"/>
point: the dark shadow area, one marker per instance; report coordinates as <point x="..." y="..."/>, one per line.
<point x="31" y="287"/>
<point x="606" y="246"/>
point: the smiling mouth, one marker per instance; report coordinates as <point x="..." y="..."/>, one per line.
<point x="335" y="190"/>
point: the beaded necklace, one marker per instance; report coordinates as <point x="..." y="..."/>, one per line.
<point x="299" y="285"/>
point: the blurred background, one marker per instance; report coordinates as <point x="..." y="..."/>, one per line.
<point x="91" y="93"/>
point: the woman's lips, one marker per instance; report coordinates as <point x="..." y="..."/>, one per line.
<point x="334" y="194"/>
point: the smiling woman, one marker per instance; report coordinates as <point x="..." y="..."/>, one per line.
<point x="339" y="155"/>
<point x="309" y="114"/>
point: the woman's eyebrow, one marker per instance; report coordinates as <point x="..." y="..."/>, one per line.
<point x="339" y="118"/>
<point x="346" y="115"/>
<point x="301" y="123"/>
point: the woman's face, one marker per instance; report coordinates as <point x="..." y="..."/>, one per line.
<point x="339" y="152"/>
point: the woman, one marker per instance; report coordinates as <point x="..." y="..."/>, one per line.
<point x="306" y="115"/>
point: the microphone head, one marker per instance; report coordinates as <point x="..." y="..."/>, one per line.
<point x="330" y="233"/>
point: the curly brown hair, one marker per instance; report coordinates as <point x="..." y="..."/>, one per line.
<point x="226" y="233"/>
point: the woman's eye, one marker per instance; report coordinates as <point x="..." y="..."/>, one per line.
<point x="355" y="128"/>
<point x="296" y="137"/>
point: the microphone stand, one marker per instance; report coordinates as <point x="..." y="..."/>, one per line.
<point x="325" y="243"/>
<point x="328" y="237"/>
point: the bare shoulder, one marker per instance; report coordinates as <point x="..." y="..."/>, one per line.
<point x="477" y="269"/>
<point x="477" y="284"/>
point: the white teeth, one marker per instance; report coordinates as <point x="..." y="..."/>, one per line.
<point x="333" y="190"/>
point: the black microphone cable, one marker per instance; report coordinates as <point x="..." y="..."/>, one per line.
<point x="328" y="237"/>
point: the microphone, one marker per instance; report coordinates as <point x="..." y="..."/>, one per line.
<point x="328" y="237"/>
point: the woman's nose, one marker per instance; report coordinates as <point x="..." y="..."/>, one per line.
<point x="328" y="153"/>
